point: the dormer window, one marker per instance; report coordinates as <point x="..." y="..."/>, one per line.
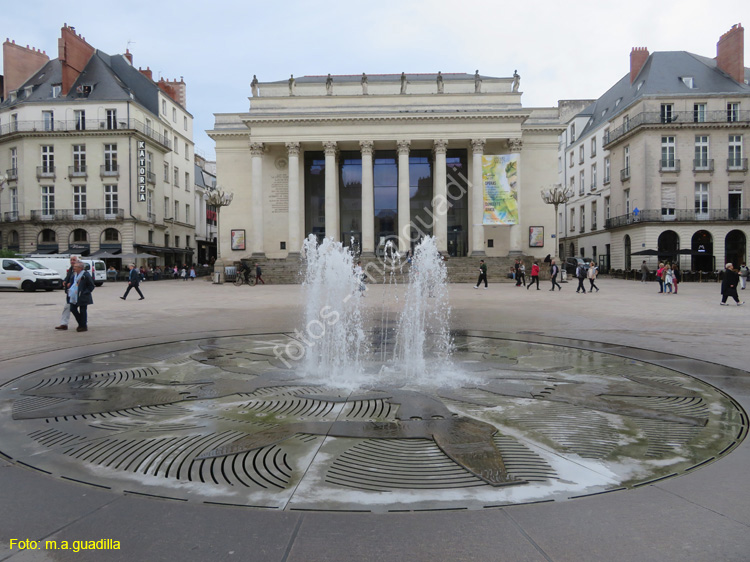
<point x="618" y="102"/>
<point x="688" y="81"/>
<point x="638" y="87"/>
<point x="28" y="90"/>
<point x="56" y="90"/>
<point x="83" y="90"/>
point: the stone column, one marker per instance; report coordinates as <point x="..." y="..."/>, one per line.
<point x="517" y="238"/>
<point x="368" y="201"/>
<point x="404" y="211"/>
<point x="331" y="193"/>
<point x="439" y="197"/>
<point x="295" y="216"/>
<point x="256" y="198"/>
<point x="476" y="199"/>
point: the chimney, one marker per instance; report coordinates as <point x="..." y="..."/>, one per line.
<point x="129" y="56"/>
<point x="74" y="53"/>
<point x="730" y="53"/>
<point x="20" y="64"/>
<point x="175" y="89"/>
<point x="147" y="73"/>
<point x="638" y="58"/>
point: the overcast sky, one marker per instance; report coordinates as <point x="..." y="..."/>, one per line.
<point x="562" y="50"/>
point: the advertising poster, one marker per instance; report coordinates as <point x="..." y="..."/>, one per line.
<point x="238" y="239"/>
<point x="500" y="179"/>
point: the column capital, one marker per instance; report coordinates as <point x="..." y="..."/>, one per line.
<point x="477" y="146"/>
<point x="440" y="146"/>
<point x="515" y="145"/>
<point x="257" y="148"/>
<point x="403" y="147"/>
<point x="330" y="148"/>
<point x="366" y="146"/>
<point x="293" y="148"/>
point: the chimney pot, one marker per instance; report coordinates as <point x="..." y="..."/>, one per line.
<point x="730" y="53"/>
<point x="638" y="57"/>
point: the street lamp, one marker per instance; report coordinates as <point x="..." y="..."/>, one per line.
<point x="218" y="198"/>
<point x="557" y="195"/>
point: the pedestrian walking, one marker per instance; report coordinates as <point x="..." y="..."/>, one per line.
<point x="644" y="272"/>
<point x="675" y="277"/>
<point x="522" y="274"/>
<point x="744" y="272"/>
<point x="482" y="274"/>
<point x="258" y="274"/>
<point x="65" y="318"/>
<point x="667" y="276"/>
<point x="79" y="296"/>
<point x="554" y="271"/>
<point x="192" y="273"/>
<point x="660" y="277"/>
<point x="134" y="280"/>
<point x="580" y="275"/>
<point x="592" y="273"/>
<point x="517" y="272"/>
<point x="729" y="285"/>
<point x="534" y="276"/>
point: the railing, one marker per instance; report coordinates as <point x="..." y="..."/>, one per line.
<point x="10" y="216"/>
<point x="703" y="165"/>
<point x="593" y="226"/>
<point x="109" y="171"/>
<point x="151" y="217"/>
<point x="625" y="174"/>
<point x="77" y="215"/>
<point x="151" y="178"/>
<point x="77" y="172"/>
<point x="670" y="165"/>
<point x="606" y="180"/>
<point x="680" y="215"/>
<point x="12" y="174"/>
<point x="737" y="165"/>
<point x="677" y="118"/>
<point x="85" y="125"/>
<point x="45" y="172"/>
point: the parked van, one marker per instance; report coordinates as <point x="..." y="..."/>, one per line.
<point x="61" y="264"/>
<point x="26" y="274"/>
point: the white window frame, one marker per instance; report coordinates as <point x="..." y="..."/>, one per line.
<point x="668" y="152"/>
<point x="48" y="120"/>
<point x="48" y="200"/>
<point x="111" y="202"/>
<point x="701" y="161"/>
<point x="702" y="199"/>
<point x="79" y="200"/>
<point x="699" y="113"/>
<point x="110" y="157"/>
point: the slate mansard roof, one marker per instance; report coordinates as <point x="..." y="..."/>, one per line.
<point x="662" y="76"/>
<point x="112" y="79"/>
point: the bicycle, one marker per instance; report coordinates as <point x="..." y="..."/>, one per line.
<point x="240" y="279"/>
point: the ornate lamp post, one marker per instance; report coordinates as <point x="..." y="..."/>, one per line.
<point x="218" y="198"/>
<point x="557" y="195"/>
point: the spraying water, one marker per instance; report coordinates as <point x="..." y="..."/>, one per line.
<point x="423" y="335"/>
<point x="335" y="340"/>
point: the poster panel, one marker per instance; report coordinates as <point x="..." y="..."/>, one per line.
<point x="500" y="180"/>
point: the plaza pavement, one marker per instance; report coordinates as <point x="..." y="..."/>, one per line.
<point x="704" y="515"/>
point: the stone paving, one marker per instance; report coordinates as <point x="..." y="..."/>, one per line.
<point x="700" y="516"/>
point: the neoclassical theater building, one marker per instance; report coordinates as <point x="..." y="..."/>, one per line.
<point x="367" y="159"/>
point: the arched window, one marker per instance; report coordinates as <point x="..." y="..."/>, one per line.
<point x="702" y="245"/>
<point x="735" y="248"/>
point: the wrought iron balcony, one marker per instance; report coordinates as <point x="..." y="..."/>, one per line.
<point x="680" y="215"/>
<point x="77" y="215"/>
<point x="12" y="174"/>
<point x="79" y="171"/>
<point x="45" y="172"/>
<point x="625" y="174"/>
<point x="109" y="171"/>
<point x="703" y="165"/>
<point x="737" y="165"/>
<point x="151" y="178"/>
<point x="10" y="216"/>
<point x="152" y="217"/>
<point x="669" y="165"/>
<point x="678" y="118"/>
<point x="82" y="126"/>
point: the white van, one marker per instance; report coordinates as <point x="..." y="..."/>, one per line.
<point x="26" y="274"/>
<point x="61" y="264"/>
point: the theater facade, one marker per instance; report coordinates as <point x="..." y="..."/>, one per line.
<point x="378" y="158"/>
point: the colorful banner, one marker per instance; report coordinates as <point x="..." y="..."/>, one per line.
<point x="500" y="179"/>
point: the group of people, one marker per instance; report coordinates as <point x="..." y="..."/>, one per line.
<point x="78" y="286"/>
<point x="518" y="272"/>
<point x="668" y="276"/>
<point x="246" y="271"/>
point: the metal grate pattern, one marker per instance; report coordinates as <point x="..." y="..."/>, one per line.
<point x="221" y="421"/>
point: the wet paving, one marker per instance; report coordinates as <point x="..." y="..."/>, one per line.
<point x="226" y="421"/>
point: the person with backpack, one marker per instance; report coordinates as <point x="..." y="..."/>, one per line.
<point x="554" y="271"/>
<point x="581" y="275"/>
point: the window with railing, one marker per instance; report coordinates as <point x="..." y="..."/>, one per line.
<point x="733" y="112"/>
<point x="48" y="159"/>
<point x="699" y="112"/>
<point x="48" y="120"/>
<point x="668" y="153"/>
<point x="110" y="158"/>
<point x="593" y="177"/>
<point x="701" y="161"/>
<point x="79" y="159"/>
<point x="166" y="173"/>
<point x="111" y="122"/>
<point x="79" y="116"/>
<point x="593" y="147"/>
<point x="48" y="201"/>
<point x="581" y="183"/>
<point x="666" y="113"/>
<point x="606" y="170"/>
<point x="14" y="160"/>
<point x="79" y="200"/>
<point x="580" y="154"/>
<point x="701" y="199"/>
<point x="110" y="200"/>
<point x="734" y="160"/>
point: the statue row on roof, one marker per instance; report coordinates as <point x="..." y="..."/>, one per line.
<point x="404" y="82"/>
